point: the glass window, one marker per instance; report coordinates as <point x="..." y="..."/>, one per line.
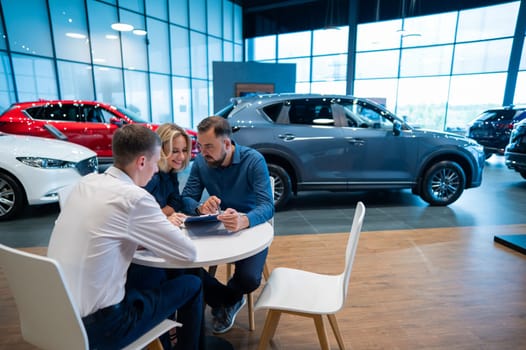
<point x="422" y="101"/>
<point x="378" y="35"/>
<point x="7" y="90"/>
<point x="181" y="97"/>
<point x="134" y="5"/>
<point x="228" y="23"/>
<point x="199" y="100"/>
<point x="70" y="30"/>
<point x="378" y="90"/>
<point x="35" y="78"/>
<point x="105" y="43"/>
<point x="215" y="53"/>
<point x="238" y="53"/>
<point x="160" y="98"/>
<point x="261" y="48"/>
<point x="520" y="89"/>
<point x="215" y="16"/>
<point x="3" y="36"/>
<point x="35" y="17"/>
<point x="522" y="65"/>
<point x="179" y="12"/>
<point x="327" y="41"/>
<point x="302" y="67"/>
<point x="197" y="15"/>
<point x="302" y="88"/>
<point x="157" y="9"/>
<point x="308" y="112"/>
<point x="332" y="67"/>
<point x="467" y="98"/>
<point x="57" y="112"/>
<point x="429" y="30"/>
<point x="238" y="24"/>
<point x="487" y="56"/>
<point x="180" y="51"/>
<point x="228" y="54"/>
<point x="158" y="46"/>
<point x="434" y="60"/>
<point x="137" y="99"/>
<point x="361" y="114"/>
<point x="198" y="55"/>
<point x="328" y="87"/>
<point x="109" y="86"/>
<point x="75" y="81"/>
<point x="294" y="44"/>
<point x="488" y="22"/>
<point x="380" y="64"/>
<point x="133" y="46"/>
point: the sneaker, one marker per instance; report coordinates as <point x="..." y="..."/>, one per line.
<point x="224" y="324"/>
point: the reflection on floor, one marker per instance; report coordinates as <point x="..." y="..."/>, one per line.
<point x="501" y="200"/>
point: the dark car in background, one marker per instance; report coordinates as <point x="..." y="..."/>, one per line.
<point x="492" y="128"/>
<point x="87" y="123"/>
<point x="342" y="143"/>
<point x="515" y="152"/>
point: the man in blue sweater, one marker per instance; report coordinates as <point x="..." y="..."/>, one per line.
<point x="237" y="181"/>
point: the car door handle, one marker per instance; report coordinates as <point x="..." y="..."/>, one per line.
<point x="287" y="137"/>
<point x="357" y="142"/>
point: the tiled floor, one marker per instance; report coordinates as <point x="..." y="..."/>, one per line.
<point x="501" y="200"/>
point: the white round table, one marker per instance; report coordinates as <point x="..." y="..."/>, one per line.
<point x="215" y="249"/>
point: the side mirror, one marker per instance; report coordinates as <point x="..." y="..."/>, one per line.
<point x="117" y="121"/>
<point x="397" y="128"/>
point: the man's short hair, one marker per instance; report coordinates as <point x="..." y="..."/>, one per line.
<point x="132" y="141"/>
<point x="219" y="124"/>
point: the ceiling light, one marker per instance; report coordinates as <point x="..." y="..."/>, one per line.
<point x="75" y="35"/>
<point x="122" y="27"/>
<point x="140" y="32"/>
<point x="111" y="37"/>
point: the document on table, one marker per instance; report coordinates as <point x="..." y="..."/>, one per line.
<point x="205" y="225"/>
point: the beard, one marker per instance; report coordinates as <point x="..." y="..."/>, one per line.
<point x="215" y="163"/>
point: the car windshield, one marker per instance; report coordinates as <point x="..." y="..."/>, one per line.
<point x="130" y="114"/>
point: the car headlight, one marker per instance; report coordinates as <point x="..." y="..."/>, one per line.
<point x="46" y="163"/>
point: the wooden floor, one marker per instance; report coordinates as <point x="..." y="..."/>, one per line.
<point x="449" y="288"/>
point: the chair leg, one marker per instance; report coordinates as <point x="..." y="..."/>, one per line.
<point x="322" y="334"/>
<point x="266" y="272"/>
<point x="228" y="271"/>
<point x="251" y="321"/>
<point x="155" y="345"/>
<point x="271" y="323"/>
<point x="212" y="270"/>
<point x="336" y="330"/>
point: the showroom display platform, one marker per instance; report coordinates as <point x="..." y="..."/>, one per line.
<point x="515" y="242"/>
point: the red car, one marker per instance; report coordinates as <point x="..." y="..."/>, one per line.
<point x="86" y="123"/>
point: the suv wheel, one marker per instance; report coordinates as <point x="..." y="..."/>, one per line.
<point x="12" y="198"/>
<point x="443" y="183"/>
<point x="282" y="186"/>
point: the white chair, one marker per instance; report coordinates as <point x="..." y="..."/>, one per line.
<point x="48" y="317"/>
<point x="309" y="294"/>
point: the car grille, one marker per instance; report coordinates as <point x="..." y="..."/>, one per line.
<point x="87" y="166"/>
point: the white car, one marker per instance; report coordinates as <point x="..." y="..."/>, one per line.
<point x="34" y="169"/>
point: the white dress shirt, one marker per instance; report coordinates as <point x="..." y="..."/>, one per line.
<point x="104" y="219"/>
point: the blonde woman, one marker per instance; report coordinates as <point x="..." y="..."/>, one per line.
<point x="175" y="157"/>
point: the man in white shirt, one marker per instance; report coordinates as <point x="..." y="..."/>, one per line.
<point x="106" y="217"/>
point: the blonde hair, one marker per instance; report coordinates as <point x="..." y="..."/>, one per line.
<point x="168" y="132"/>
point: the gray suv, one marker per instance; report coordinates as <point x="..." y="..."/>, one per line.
<point x="343" y="143"/>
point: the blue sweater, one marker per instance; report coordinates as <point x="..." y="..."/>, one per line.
<point x="165" y="188"/>
<point x="244" y="185"/>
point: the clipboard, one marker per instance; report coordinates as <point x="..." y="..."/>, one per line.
<point x="201" y="219"/>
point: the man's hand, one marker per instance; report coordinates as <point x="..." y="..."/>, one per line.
<point x="233" y="221"/>
<point x="177" y="219"/>
<point x="210" y="206"/>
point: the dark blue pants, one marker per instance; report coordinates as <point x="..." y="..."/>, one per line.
<point x="143" y="308"/>
<point x="246" y="278"/>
